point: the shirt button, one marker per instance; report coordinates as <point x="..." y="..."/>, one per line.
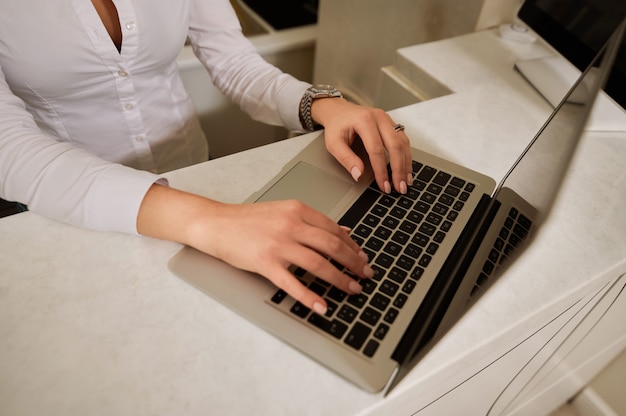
<point x="122" y="73"/>
<point x="139" y="138"/>
<point x="129" y="106"/>
<point x="130" y="25"/>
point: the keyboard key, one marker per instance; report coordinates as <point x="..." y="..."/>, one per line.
<point x="370" y="316"/>
<point x="388" y="288"/>
<point x="442" y="178"/>
<point x="380" y="302"/>
<point x="347" y="313"/>
<point x="393" y="249"/>
<point x="370" y="348"/>
<point x="279" y="296"/>
<point x="426" y="174"/>
<point x="382" y="232"/>
<point x="397" y="275"/>
<point x="434" y="189"/>
<point x="408" y="286"/>
<point x="357" y="300"/>
<point x="406" y="262"/>
<point x="357" y="335"/>
<point x="300" y="310"/>
<point x="381" y="331"/>
<point x="386" y="200"/>
<point x="412" y="251"/>
<point x="400" y="300"/>
<point x="417" y="273"/>
<point x="363" y="231"/>
<point x="452" y="190"/>
<point x="371" y="220"/>
<point x="391" y="222"/>
<point x="420" y="239"/>
<point x="425" y="260"/>
<point x="458" y="182"/>
<point x="374" y="243"/>
<point x="337" y="294"/>
<point x="408" y="227"/>
<point x="391" y="315"/>
<point x="405" y="203"/>
<point x="384" y="260"/>
<point x="398" y="212"/>
<point x="368" y="285"/>
<point x="400" y="237"/>
<point x="317" y="288"/>
<point x="332" y="327"/>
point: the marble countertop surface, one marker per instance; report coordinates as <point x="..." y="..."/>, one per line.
<point x="95" y="323"/>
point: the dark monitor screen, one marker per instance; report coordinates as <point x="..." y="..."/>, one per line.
<point x="577" y="29"/>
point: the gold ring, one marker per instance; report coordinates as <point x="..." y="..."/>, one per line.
<point x="398" y="127"/>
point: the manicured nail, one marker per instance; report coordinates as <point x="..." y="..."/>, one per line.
<point x="368" y="271"/>
<point x="403" y="187"/>
<point x="346" y="229"/>
<point x="409" y="178"/>
<point x="319" y="308"/>
<point x="356" y="173"/>
<point x="387" y="186"/>
<point x="354" y="287"/>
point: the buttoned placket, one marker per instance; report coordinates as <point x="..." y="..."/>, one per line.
<point x="118" y="65"/>
<point x="126" y="88"/>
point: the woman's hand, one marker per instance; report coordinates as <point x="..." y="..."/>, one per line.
<point x="344" y="122"/>
<point x="265" y="238"/>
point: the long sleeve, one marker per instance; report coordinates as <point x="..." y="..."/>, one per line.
<point x="259" y="88"/>
<point x="61" y="181"/>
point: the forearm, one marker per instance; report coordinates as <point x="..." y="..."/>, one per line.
<point x="171" y="214"/>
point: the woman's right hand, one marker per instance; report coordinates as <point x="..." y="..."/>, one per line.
<point x="265" y="238"/>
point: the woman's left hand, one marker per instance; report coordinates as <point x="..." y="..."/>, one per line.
<point x="344" y="122"/>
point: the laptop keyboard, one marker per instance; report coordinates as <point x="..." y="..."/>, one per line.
<point x="513" y="232"/>
<point x="400" y="234"/>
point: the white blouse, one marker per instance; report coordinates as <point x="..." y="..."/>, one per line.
<point x="84" y="128"/>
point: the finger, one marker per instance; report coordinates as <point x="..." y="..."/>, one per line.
<point x="400" y="158"/>
<point x="294" y="288"/>
<point x="336" y="248"/>
<point x="316" y="219"/>
<point x="319" y="266"/>
<point x="343" y="153"/>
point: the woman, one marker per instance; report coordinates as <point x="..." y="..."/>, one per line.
<point x="92" y="108"/>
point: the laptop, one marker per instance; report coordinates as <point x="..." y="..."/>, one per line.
<point x="435" y="250"/>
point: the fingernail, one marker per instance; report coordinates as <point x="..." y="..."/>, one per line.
<point x="368" y="271"/>
<point x="387" y="186"/>
<point x="409" y="178"/>
<point x="354" y="287"/>
<point x="356" y="173"/>
<point x="364" y="255"/>
<point x="403" y="187"/>
<point x="319" y="308"/>
<point x="346" y="229"/>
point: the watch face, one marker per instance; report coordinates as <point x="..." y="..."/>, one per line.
<point x="323" y="90"/>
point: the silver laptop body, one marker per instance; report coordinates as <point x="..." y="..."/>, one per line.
<point x="375" y="339"/>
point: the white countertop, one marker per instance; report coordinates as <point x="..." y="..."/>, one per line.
<point x="94" y="323"/>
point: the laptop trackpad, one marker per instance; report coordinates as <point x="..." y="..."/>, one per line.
<point x="311" y="185"/>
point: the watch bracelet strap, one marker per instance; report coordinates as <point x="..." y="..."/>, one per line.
<point x="305" y="113"/>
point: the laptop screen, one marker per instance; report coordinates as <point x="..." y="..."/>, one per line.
<point x="540" y="169"/>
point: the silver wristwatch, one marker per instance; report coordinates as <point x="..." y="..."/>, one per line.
<point x="313" y="93"/>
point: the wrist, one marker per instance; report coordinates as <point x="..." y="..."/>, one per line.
<point x="311" y="96"/>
